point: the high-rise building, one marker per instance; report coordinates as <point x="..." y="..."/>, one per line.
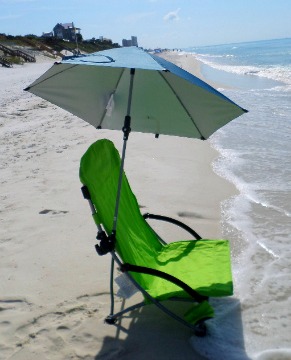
<point x="132" y="42"/>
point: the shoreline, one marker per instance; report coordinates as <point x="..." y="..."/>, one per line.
<point x="190" y="63"/>
<point x="224" y="189"/>
<point x="54" y="288"/>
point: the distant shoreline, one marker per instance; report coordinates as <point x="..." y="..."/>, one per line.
<point x="190" y="63"/>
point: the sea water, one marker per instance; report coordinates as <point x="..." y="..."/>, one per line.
<point x="255" y="155"/>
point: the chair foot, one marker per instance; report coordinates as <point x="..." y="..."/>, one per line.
<point x="111" y="320"/>
<point x="200" y="329"/>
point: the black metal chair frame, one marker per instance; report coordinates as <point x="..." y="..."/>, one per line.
<point x="106" y="245"/>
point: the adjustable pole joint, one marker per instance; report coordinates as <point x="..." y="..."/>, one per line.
<point x="126" y="127"/>
<point x="107" y="243"/>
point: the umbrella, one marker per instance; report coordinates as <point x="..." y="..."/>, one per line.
<point x="109" y="88"/>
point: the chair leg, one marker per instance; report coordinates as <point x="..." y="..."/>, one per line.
<point x="111" y="287"/>
<point x="199" y="328"/>
<point x="112" y="318"/>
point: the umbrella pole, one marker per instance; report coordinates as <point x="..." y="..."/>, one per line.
<point x="126" y="130"/>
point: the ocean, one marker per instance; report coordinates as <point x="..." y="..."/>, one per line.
<point x="255" y="155"/>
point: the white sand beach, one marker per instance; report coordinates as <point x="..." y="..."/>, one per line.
<point x="54" y="289"/>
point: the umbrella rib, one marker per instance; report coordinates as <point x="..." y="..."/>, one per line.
<point x="180" y="101"/>
<point x="29" y="87"/>
<point x="105" y="110"/>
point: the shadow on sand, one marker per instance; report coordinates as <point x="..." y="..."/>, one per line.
<point x="148" y="333"/>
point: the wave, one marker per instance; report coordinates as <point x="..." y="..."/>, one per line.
<point x="277" y="73"/>
<point x="280" y="354"/>
<point x="251" y="191"/>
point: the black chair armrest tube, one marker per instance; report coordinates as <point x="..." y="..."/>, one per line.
<point x="173" y="221"/>
<point x="145" y="270"/>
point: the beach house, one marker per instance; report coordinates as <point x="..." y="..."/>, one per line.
<point x="66" y="31"/>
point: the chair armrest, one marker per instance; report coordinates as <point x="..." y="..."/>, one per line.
<point x="145" y="270"/>
<point x="173" y="221"/>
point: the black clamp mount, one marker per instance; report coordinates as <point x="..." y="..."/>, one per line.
<point x="107" y="243"/>
<point x="126" y="127"/>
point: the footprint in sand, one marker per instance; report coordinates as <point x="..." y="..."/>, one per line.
<point x="53" y="212"/>
<point x="189" y="214"/>
<point x="68" y="331"/>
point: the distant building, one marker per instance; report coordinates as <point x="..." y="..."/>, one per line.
<point x="132" y="42"/>
<point x="66" y="31"/>
<point x="126" y="42"/>
<point x="47" y="34"/>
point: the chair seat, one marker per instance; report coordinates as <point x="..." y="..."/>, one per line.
<point x="204" y="265"/>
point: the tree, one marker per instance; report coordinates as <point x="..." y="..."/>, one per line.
<point x="79" y="38"/>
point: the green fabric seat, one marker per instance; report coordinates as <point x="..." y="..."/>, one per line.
<point x="204" y="264"/>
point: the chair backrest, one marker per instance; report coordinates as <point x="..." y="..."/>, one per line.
<point x="136" y="242"/>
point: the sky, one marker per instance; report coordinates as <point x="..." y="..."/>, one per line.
<point x="156" y="23"/>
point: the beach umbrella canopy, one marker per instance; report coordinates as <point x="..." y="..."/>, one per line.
<point x="129" y="89"/>
<point x="160" y="98"/>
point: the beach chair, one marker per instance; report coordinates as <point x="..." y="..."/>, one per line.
<point x="191" y="270"/>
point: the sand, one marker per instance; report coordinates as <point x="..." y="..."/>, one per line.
<point x="54" y="289"/>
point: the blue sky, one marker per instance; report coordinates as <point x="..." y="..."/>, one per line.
<point x="156" y="23"/>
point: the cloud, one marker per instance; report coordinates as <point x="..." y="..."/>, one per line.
<point x="172" y="15"/>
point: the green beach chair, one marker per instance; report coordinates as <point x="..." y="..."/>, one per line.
<point x="191" y="270"/>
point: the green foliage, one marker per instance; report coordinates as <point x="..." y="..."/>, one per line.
<point x="79" y="38"/>
<point x="52" y="44"/>
<point x="16" y="60"/>
<point x="31" y="36"/>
